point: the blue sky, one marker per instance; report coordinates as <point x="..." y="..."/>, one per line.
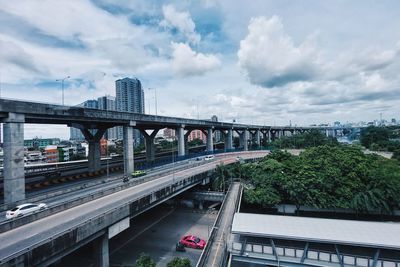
<point x="266" y="62"/>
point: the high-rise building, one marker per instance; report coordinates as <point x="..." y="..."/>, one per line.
<point x="129" y="98"/>
<point x="169" y="133"/>
<point x="108" y="103"/>
<point x="197" y="134"/>
<point x="217" y="134"/>
<point x="76" y="134"/>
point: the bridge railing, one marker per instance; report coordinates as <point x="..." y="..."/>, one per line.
<point x="206" y="251"/>
<point x="312" y="255"/>
<point x="136" y="206"/>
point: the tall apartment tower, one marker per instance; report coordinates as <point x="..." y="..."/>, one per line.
<point x="108" y="103"/>
<point x="129" y="98"/>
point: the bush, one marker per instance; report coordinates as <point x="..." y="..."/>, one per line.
<point x="179" y="262"/>
<point x="144" y="260"/>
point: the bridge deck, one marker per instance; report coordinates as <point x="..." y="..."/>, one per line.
<point x="40" y="233"/>
<point x="217" y="247"/>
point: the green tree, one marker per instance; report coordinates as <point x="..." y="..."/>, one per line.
<point x="195" y="142"/>
<point x="179" y="262"/>
<point x="144" y="260"/>
<point x="324" y="177"/>
<point x="374" y="135"/>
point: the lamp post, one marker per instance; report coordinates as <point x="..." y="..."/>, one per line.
<point x="62" y="86"/>
<point x="155" y="97"/>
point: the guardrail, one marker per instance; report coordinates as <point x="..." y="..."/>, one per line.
<point x="206" y="251"/>
<point x="14" y="223"/>
<point x="313" y="255"/>
<point x="136" y="207"/>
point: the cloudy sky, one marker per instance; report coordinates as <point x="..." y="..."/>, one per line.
<point x="264" y="62"/>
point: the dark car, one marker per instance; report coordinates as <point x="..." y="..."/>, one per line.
<point x="180" y="247"/>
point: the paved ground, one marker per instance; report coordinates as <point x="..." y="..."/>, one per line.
<point x="154" y="233"/>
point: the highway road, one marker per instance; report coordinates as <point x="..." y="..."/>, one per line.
<point x="66" y="192"/>
<point x="27" y="236"/>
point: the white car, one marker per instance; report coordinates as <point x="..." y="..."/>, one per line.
<point x="209" y="157"/>
<point x="23" y="209"/>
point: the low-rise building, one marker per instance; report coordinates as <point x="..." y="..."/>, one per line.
<point x="51" y="154"/>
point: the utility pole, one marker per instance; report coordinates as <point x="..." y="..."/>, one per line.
<point x="155" y="98"/>
<point x="62" y="86"/>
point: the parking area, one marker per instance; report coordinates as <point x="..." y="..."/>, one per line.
<point x="155" y="233"/>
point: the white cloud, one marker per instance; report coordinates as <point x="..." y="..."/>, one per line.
<point x="186" y="62"/>
<point x="374" y="81"/>
<point x="15" y="57"/>
<point x="270" y="58"/>
<point x="181" y="21"/>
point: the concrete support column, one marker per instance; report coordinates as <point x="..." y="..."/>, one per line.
<point x="229" y="140"/>
<point x="181" y="141"/>
<point x="13" y="171"/>
<point x="129" y="164"/>
<point x="94" y="155"/>
<point x="210" y="144"/>
<point x="94" y="159"/>
<point x="101" y="253"/>
<point x="258" y="138"/>
<point x="150" y="148"/>
<point x="272" y="135"/>
<point x="327" y="133"/>
<point x="186" y="138"/>
<point x="243" y="140"/>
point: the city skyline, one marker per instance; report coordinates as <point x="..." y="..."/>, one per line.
<point x="267" y="62"/>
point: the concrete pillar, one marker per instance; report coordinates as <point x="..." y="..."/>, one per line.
<point x="210" y="144"/>
<point x="201" y="205"/>
<point x="129" y="163"/>
<point x="94" y="159"/>
<point x="150" y="148"/>
<point x="186" y="137"/>
<point x="243" y="139"/>
<point x="101" y="253"/>
<point x="94" y="155"/>
<point x="272" y="135"/>
<point x="229" y="140"/>
<point x="13" y="171"/>
<point x="258" y="138"/>
<point x="181" y="141"/>
<point x="327" y="133"/>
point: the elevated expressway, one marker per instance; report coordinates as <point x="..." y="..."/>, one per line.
<point x="94" y="122"/>
<point x="46" y="240"/>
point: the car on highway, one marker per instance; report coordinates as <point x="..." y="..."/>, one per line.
<point x="138" y="173"/>
<point x="192" y="241"/>
<point x="24" y="209"/>
<point x="209" y="157"/>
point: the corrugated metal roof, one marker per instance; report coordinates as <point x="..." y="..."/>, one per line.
<point x="358" y="233"/>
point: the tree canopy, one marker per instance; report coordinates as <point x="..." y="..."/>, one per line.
<point x="324" y="177"/>
<point x="307" y="139"/>
<point x="144" y="260"/>
<point x="179" y="262"/>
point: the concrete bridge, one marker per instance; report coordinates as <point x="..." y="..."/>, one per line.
<point x="94" y="122"/>
<point x="44" y="241"/>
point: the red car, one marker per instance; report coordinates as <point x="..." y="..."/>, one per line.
<point x="192" y="241"/>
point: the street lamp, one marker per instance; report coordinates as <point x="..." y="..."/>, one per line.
<point x="62" y="86"/>
<point x="155" y="97"/>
